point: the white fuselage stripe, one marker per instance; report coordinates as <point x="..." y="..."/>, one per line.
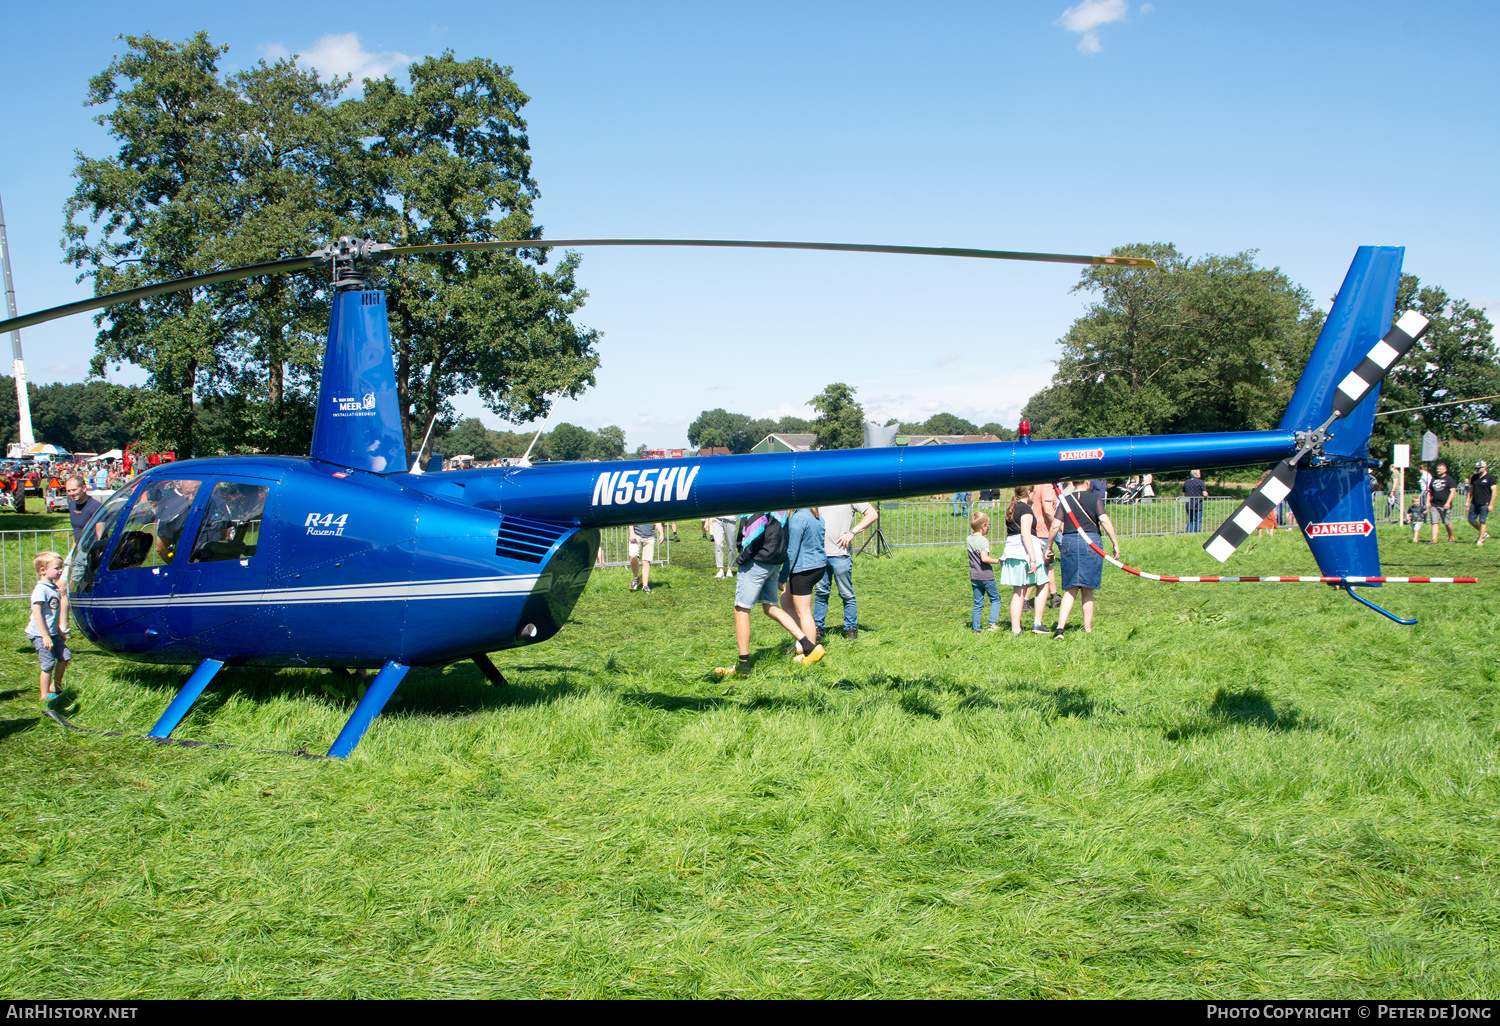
<point x="413" y="591"/>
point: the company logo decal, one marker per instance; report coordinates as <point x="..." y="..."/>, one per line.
<point x="1081" y="454"/>
<point x="625" y="486"/>
<point x="354" y="406"/>
<point x="1334" y="528"/>
<point x="326" y="523"/>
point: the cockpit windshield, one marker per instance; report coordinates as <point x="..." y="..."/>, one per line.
<point x="96" y="535"/>
<point x="231" y="527"/>
<point x="155" y="526"/>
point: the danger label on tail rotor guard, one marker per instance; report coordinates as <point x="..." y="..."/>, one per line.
<point x="1081" y="454"/>
<point x="1333" y="528"/>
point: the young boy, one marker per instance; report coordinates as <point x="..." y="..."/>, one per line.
<point x="981" y="577"/>
<point x="48" y="627"/>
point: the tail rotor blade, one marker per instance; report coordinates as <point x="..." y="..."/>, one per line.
<point x="1378" y="362"/>
<point x="1262" y="502"/>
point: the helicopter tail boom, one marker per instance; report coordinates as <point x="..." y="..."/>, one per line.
<point x="636" y="492"/>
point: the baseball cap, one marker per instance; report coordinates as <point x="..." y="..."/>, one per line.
<point x="1479" y="465"/>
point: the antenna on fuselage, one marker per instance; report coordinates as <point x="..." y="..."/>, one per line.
<point x="416" y="464"/>
<point x="526" y="456"/>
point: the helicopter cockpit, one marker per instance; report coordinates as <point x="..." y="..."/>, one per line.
<point x="155" y="553"/>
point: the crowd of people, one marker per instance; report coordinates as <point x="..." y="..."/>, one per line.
<point x="1433" y="502"/>
<point x="1039" y="519"/>
<point x="790" y="563"/>
<point x="18" y="479"/>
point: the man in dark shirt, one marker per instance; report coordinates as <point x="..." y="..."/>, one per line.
<point x="1440" y="501"/>
<point x="1193" y="489"/>
<point x="81" y="506"/>
<point x="1481" y="491"/>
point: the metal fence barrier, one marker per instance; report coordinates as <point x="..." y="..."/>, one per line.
<point x="913" y="524"/>
<point x="18" y="549"/>
<point x="614" y="547"/>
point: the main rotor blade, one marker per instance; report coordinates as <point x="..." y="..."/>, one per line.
<point x="385" y="252"/>
<point x="1252" y="512"/>
<point x="146" y="291"/>
<point x="841" y="247"/>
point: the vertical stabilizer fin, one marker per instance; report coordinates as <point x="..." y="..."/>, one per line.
<point x="1335" y="509"/>
<point x="358" y="421"/>
<point x="1360" y="317"/>
<point x="1332" y="498"/>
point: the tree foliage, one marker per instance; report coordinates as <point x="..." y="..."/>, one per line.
<point x="564" y="442"/>
<point x="1212" y="344"/>
<point x="155" y="205"/>
<point x="450" y="159"/>
<point x="841" y="421"/>
<point x="218" y="171"/>
<point x="79" y="417"/>
<point x="1456" y="359"/>
<point x="942" y="424"/>
<point x="738" y="432"/>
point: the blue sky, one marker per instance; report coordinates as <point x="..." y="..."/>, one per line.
<point x="1299" y="130"/>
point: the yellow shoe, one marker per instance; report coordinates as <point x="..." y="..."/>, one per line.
<point x="811" y="657"/>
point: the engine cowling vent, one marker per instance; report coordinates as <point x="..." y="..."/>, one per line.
<point x="527" y="540"/>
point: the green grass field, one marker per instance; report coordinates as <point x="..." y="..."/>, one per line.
<point x="1225" y="790"/>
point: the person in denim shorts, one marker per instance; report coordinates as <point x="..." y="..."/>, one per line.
<point x="47" y="629"/>
<point x="762" y="540"/>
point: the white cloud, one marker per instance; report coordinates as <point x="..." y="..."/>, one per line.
<point x="943" y="361"/>
<point x="1086" y="17"/>
<point x="788" y="410"/>
<point x="68" y="372"/>
<point x="340" y="54"/>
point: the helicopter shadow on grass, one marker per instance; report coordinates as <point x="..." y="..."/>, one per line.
<point x="438" y="691"/>
<point x="17" y="725"/>
<point x="1245" y="707"/>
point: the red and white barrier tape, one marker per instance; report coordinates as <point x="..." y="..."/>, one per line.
<point x="1251" y="580"/>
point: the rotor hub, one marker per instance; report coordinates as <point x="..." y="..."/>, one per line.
<point x="347" y="257"/>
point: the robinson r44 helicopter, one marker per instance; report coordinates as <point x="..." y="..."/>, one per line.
<point x="349" y="558"/>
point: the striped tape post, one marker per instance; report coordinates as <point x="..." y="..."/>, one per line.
<point x="1167" y="579"/>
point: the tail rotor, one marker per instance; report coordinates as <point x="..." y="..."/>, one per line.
<point x="1351" y="391"/>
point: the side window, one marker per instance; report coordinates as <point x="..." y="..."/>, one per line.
<point x="231" y="526"/>
<point x="96" y="537"/>
<point x="155" y="525"/>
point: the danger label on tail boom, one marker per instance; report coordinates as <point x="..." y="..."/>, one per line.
<point x="1333" y="528"/>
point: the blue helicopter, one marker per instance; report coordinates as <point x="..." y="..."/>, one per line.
<point x="349" y="558"/>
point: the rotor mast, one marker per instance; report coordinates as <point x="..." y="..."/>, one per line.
<point x="23" y="400"/>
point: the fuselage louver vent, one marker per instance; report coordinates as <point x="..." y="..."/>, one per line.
<point x="526" y="540"/>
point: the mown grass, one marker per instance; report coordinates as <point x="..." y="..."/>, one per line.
<point x="1225" y="790"/>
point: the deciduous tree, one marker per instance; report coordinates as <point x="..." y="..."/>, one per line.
<point x="150" y="213"/>
<point x="214" y="172"/>
<point x="841" y="421"/>
<point x="1456" y="359"/>
<point x="1213" y="344"/>
<point x="450" y="158"/>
